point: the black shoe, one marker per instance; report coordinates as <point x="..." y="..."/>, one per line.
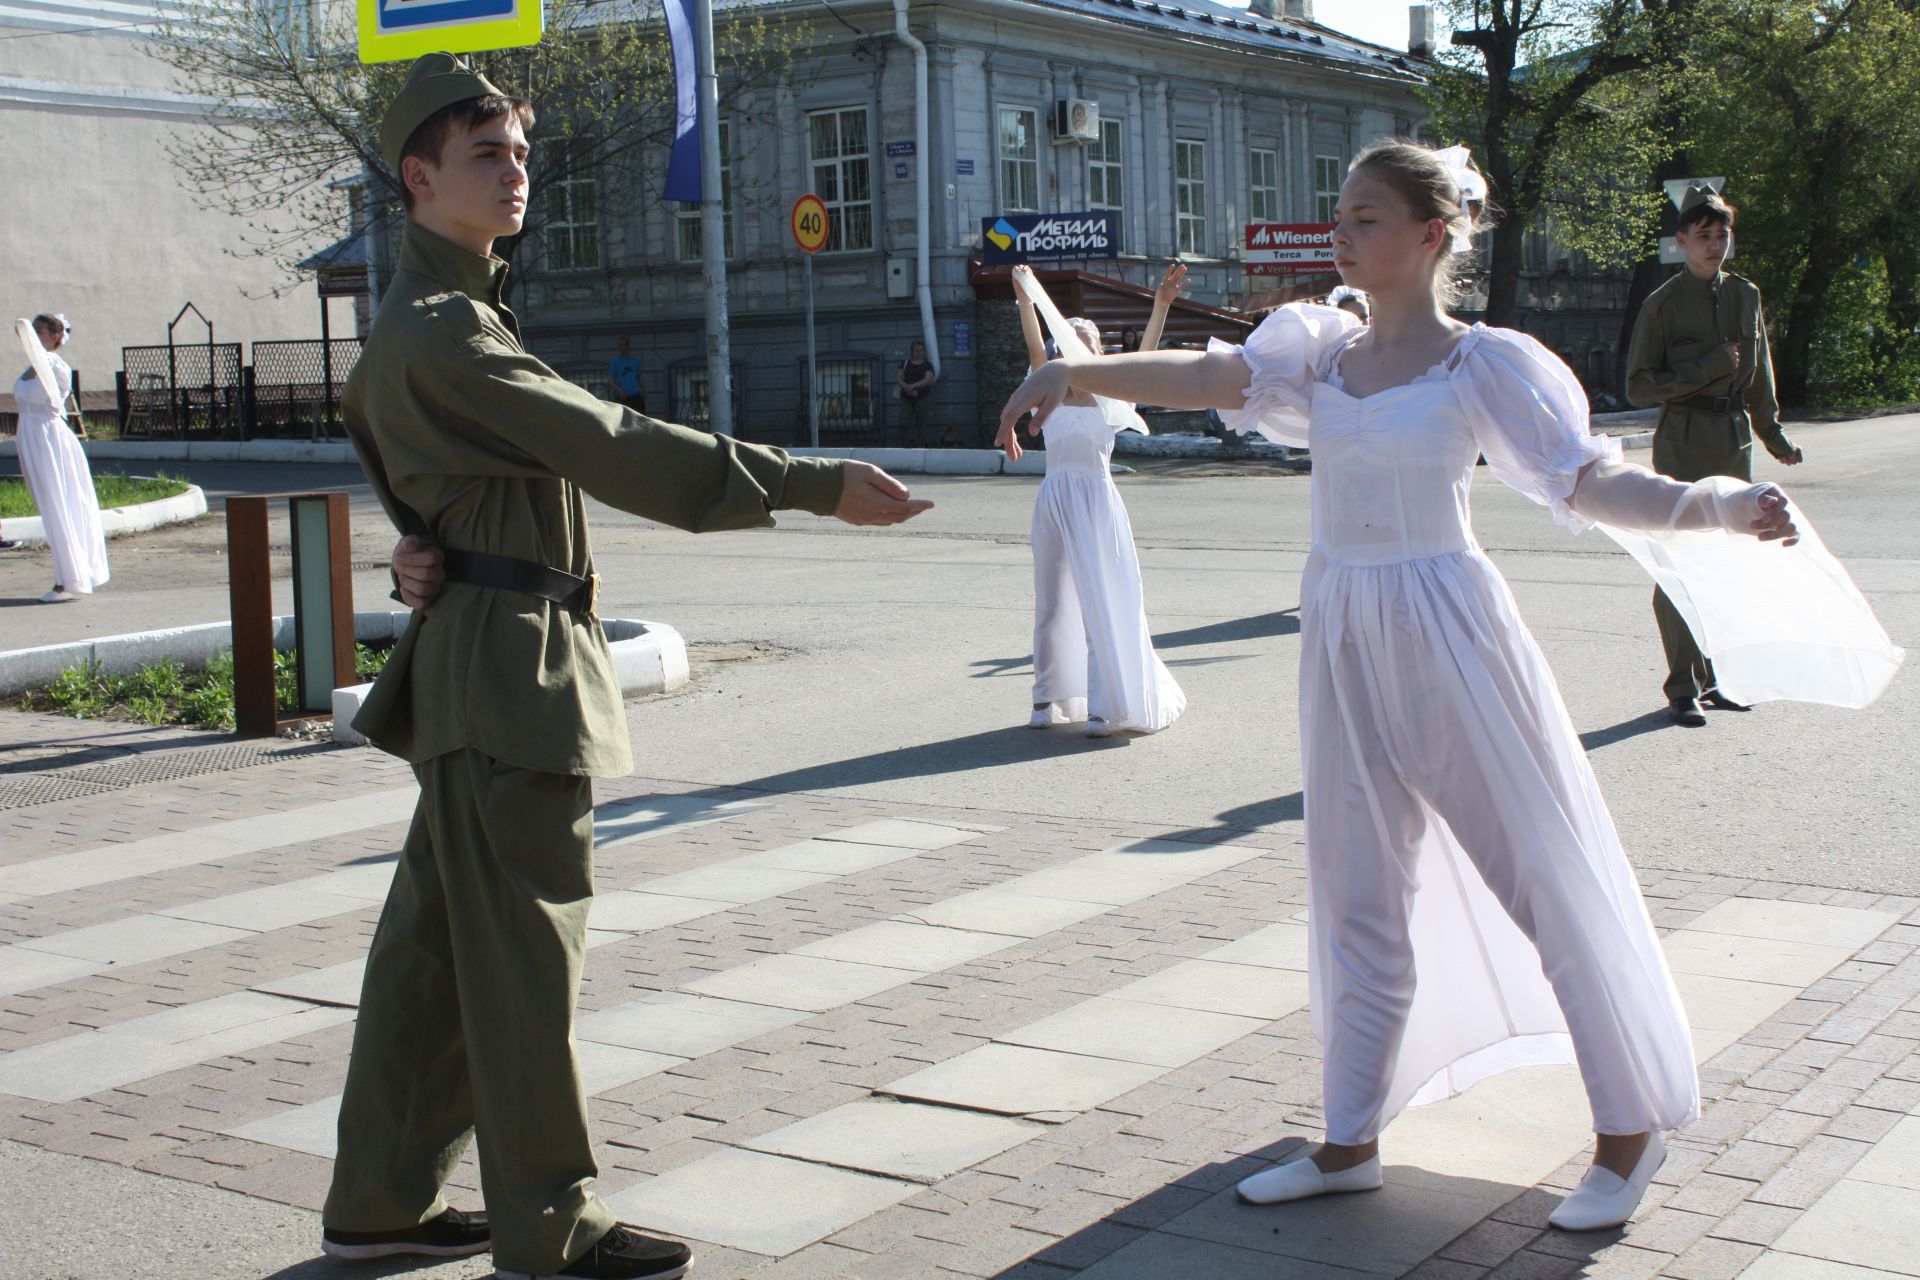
<point x="451" y="1235"/>
<point x="621" y="1254"/>
<point x="1686" y="711"/>
<point x="1721" y="702"/>
<point x="8" y="544"/>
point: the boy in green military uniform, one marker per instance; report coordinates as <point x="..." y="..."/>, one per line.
<point x="502" y="694"/>
<point x="1699" y="351"/>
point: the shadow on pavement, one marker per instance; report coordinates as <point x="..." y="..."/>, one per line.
<point x="1013" y="745"/>
<point x="1195" y="1226"/>
<point x="1594" y="739"/>
<point x="1281" y="622"/>
<point x="325" y="1268"/>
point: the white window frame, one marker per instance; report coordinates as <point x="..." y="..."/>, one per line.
<point x="1190" y="197"/>
<point x="687" y="231"/>
<point x="1263" y="197"/>
<point x="1019" y="171"/>
<point x="564" y="232"/>
<point x="849" y="219"/>
<point x="1328" y="173"/>
<point x="1107" y="163"/>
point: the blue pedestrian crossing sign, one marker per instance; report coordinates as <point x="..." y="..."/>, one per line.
<point x="396" y="30"/>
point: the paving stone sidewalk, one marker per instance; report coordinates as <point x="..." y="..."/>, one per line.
<point x="827" y="1037"/>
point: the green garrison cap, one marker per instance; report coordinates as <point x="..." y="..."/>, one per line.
<point x="438" y="80"/>
<point x="1701" y="194"/>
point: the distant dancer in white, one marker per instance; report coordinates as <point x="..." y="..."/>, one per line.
<point x="56" y="471"/>
<point x="1471" y="907"/>
<point x="1093" y="657"/>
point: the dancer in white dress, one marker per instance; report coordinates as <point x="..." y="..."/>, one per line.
<point x="1093" y="657"/>
<point x="57" y="475"/>
<point x="1455" y="832"/>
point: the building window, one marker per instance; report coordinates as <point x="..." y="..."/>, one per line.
<point x="1263" y="185"/>
<point x="687" y="218"/>
<point x="573" y="224"/>
<point x="1327" y="174"/>
<point x="1019" y="160"/>
<point x="843" y="176"/>
<point x="1107" y="172"/>
<point x="1190" y="195"/>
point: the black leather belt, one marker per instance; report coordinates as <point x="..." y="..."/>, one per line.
<point x="508" y="573"/>
<point x="1718" y="406"/>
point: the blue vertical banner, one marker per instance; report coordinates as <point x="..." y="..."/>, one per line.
<point x="683" y="162"/>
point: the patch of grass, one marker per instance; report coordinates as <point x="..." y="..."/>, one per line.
<point x="114" y="488"/>
<point x="164" y="693"/>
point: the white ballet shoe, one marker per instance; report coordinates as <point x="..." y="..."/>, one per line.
<point x="1604" y="1198"/>
<point x="1300" y="1179"/>
<point x="1098" y="728"/>
<point x="1045" y="717"/>
<point x="57" y="596"/>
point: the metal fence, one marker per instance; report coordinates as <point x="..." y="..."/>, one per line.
<point x="196" y="392"/>
<point x="294" y="388"/>
<point x="192" y="392"/>
<point x="849" y="409"/>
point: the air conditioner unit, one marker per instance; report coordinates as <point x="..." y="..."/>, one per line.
<point x="1076" y="120"/>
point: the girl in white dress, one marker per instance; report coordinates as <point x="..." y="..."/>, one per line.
<point x="57" y="475"/>
<point x="1093" y="657"/>
<point x="1454" y="828"/>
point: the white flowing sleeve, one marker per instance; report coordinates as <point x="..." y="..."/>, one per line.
<point x="1529" y="416"/>
<point x="1285" y="355"/>
<point x="1778" y="622"/>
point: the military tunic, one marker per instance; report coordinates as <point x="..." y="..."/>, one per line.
<point x="476" y="444"/>
<point x="506" y="704"/>
<point x="1710" y="411"/>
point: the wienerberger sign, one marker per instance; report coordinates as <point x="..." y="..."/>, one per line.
<point x="1035" y="237"/>
<point x="1283" y="248"/>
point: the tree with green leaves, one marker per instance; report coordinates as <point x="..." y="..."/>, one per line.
<point x="297" y="115"/>
<point x="1808" y="108"/>
<point x="1553" y="97"/>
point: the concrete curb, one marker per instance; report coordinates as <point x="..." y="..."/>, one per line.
<point x="118" y="521"/>
<point x="648" y="657"/>
<point x="209" y="450"/>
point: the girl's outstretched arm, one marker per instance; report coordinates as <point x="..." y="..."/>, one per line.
<point x="1174" y="379"/>
<point x="1030" y="323"/>
<point x="1171" y="285"/>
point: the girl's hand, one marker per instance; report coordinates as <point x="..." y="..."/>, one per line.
<point x="1776" y="519"/>
<point x="1172" y="284"/>
<point x="1040" y="395"/>
<point x="1022" y="272"/>
<point x="1007" y="440"/>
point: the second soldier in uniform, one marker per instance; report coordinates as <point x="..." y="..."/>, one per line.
<point x="1699" y="351"/>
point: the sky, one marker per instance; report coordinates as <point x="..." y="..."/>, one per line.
<point x="1381" y="21"/>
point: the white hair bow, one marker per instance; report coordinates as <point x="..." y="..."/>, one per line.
<point x="1472" y="185"/>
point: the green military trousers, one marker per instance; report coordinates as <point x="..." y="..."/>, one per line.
<point x="1692" y="444"/>
<point x="466" y="1017"/>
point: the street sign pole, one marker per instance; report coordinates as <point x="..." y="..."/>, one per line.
<point x="809" y="224"/>
<point x="713" y="233"/>
<point x="813" y="364"/>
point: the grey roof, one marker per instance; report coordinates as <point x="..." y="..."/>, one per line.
<point x="343" y="254"/>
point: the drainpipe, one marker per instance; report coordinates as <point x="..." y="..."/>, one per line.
<point x="923" y="156"/>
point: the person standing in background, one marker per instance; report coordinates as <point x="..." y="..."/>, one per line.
<point x="624" y="372"/>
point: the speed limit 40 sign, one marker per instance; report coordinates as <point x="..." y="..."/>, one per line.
<point x="809" y="223"/>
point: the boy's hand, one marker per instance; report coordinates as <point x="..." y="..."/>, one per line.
<point x="870" y="496"/>
<point x="1792" y="459"/>
<point x="418" y="571"/>
<point x="1733" y="352"/>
